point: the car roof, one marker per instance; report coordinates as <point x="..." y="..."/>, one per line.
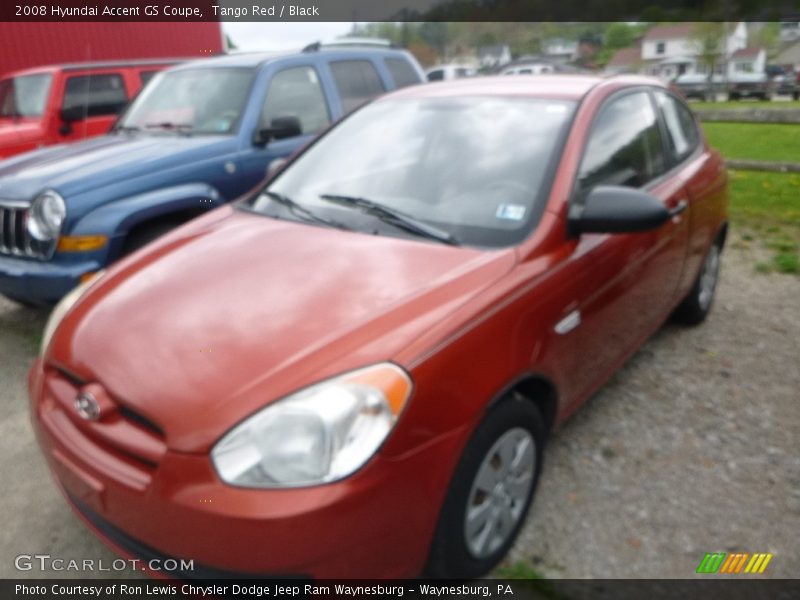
<point x="553" y="86"/>
<point x="257" y="59"/>
<point x="105" y="64"/>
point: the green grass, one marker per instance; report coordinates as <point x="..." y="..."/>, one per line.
<point x="744" y="105"/>
<point x="518" y="570"/>
<point x="535" y="586"/>
<point x="756" y="141"/>
<point x="765" y="210"/>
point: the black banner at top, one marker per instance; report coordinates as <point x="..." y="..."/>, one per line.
<point x="399" y="10"/>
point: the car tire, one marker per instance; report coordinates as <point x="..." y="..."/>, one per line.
<point x="506" y="452"/>
<point x="695" y="307"/>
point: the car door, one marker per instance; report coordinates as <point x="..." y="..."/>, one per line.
<point x="703" y="176"/>
<point x="294" y="91"/>
<point x="619" y="287"/>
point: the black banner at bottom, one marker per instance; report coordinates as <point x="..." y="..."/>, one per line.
<point x="497" y="589"/>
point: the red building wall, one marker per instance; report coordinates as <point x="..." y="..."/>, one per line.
<point x="25" y="45"/>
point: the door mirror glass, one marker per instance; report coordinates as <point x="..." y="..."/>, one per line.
<point x="617" y="209"/>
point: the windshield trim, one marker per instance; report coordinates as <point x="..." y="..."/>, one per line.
<point x="539" y="203"/>
<point x="234" y="131"/>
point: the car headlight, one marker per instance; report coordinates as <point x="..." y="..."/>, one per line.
<point x="46" y="216"/>
<point x="317" y="435"/>
<point x="62" y="308"/>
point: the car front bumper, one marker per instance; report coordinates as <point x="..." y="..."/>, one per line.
<point x="378" y="523"/>
<point x="41" y="282"/>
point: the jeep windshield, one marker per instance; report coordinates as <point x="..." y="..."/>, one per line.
<point x="471" y="170"/>
<point x="190" y="101"/>
<point x="24" y="96"/>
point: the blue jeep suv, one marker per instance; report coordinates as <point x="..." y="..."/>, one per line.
<point x="198" y="135"/>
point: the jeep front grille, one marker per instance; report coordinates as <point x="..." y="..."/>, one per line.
<point x="14" y="237"/>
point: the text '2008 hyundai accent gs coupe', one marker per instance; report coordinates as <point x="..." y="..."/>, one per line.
<point x="353" y="371"/>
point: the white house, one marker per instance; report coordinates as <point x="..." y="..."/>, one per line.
<point x="560" y="50"/>
<point x="790" y="31"/>
<point x="667" y="51"/>
<point x="747" y="60"/>
<point x="494" y="56"/>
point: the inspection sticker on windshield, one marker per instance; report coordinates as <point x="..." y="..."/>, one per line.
<point x="510" y="212"/>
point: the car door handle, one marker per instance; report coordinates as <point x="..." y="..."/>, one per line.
<point x="678" y="208"/>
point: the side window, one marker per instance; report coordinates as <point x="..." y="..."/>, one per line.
<point x="402" y="73"/>
<point x="296" y="92"/>
<point x="437" y="75"/>
<point x="98" y="94"/>
<point x="146" y="76"/>
<point x="357" y="81"/>
<point x="683" y="136"/>
<point x="625" y="146"/>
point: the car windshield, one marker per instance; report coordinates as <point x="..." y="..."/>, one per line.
<point x="196" y="101"/>
<point x="474" y="167"/>
<point x="24" y="96"/>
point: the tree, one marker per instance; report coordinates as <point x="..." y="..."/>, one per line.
<point x="619" y="35"/>
<point x="769" y="38"/>
<point x="709" y="39"/>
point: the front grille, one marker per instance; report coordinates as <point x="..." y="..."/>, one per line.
<point x="125" y="435"/>
<point x="14" y="237"/>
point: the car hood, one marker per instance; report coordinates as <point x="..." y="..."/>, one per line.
<point x="101" y="161"/>
<point x="236" y="310"/>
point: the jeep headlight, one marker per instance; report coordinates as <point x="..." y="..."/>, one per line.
<point x="317" y="435"/>
<point x="62" y="308"/>
<point x="46" y="216"/>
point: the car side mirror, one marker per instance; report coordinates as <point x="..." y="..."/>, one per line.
<point x="69" y="116"/>
<point x="617" y="209"/>
<point x="279" y="128"/>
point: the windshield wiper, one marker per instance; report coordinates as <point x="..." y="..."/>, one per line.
<point x="393" y="217"/>
<point x="303" y="212"/>
<point x="184" y="128"/>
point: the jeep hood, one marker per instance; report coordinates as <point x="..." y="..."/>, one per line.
<point x="101" y="161"/>
<point x="234" y="311"/>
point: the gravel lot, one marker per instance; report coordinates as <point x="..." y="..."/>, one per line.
<point x="691" y="448"/>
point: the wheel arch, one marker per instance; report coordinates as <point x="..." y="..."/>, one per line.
<point x="123" y="217"/>
<point x="537" y="389"/>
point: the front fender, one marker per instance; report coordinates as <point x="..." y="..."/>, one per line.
<point x="117" y="218"/>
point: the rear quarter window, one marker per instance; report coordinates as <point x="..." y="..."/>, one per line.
<point x="682" y="135"/>
<point x="356" y="81"/>
<point x="402" y="73"/>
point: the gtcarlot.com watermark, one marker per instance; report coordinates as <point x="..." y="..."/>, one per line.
<point x="46" y="562"/>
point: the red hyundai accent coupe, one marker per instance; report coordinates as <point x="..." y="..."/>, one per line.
<point x="353" y="371"/>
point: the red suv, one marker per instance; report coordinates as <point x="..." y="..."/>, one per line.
<point x="66" y="103"/>
<point x="353" y="371"/>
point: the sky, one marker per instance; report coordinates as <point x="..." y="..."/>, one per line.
<point x="282" y="36"/>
